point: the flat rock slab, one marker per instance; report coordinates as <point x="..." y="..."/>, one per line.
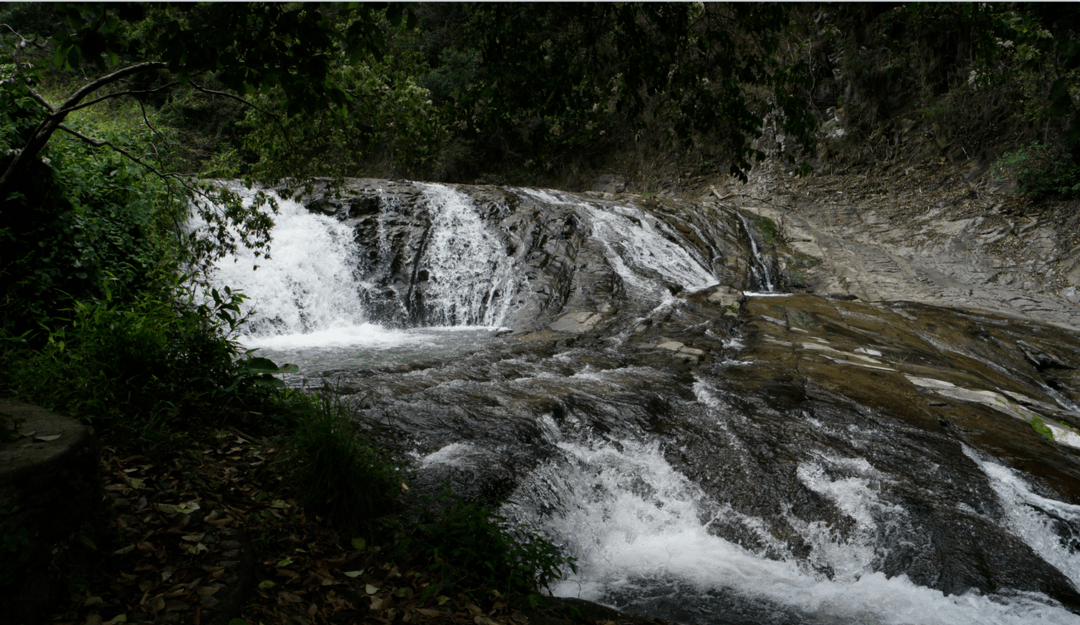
<point x="576" y="323"/>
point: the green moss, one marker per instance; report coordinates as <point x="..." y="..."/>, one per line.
<point x="1041" y="427"/>
<point x="769" y="232"/>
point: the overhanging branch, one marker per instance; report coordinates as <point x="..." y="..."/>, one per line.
<point x="232" y="97"/>
<point x="121" y="93"/>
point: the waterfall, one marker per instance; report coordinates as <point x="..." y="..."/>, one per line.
<point x="759" y="267"/>
<point x="703" y="483"/>
<point x="307" y="284"/>
<point x="472" y="279"/>
<point x="309" y="290"/>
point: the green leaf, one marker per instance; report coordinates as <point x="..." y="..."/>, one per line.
<point x="267" y="584"/>
<point x="359" y="544"/>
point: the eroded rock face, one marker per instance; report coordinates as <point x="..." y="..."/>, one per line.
<point x="910" y="240"/>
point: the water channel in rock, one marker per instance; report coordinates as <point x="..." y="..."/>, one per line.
<point x="708" y="453"/>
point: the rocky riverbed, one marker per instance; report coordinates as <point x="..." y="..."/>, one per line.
<point x="855" y="409"/>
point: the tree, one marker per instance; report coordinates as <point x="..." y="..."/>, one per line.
<point x="537" y="80"/>
<point x="245" y="47"/>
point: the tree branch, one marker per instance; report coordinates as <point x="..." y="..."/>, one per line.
<point x="91" y="87"/>
<point x="233" y="97"/>
<point x="118" y="94"/>
<point x="103" y="143"/>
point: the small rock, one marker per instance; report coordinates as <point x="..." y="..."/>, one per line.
<point x="671" y="345"/>
<point x="609" y="183"/>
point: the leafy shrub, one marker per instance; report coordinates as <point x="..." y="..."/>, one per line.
<point x="134" y="367"/>
<point x="476" y="550"/>
<point x="1040" y="171"/>
<point x="339" y="475"/>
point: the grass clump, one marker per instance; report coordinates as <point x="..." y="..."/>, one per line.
<point x="339" y="475"/>
<point x="476" y="551"/>
<point x="1040" y="426"/>
<point x="770" y="234"/>
<point x="1040" y="171"/>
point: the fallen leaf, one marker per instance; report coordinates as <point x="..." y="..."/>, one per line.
<point x="354" y="574"/>
<point x="267" y="584"/>
<point x="124" y="550"/>
<point x="188" y="507"/>
<point x="119" y="619"/>
<point x="403" y="592"/>
<point x="284" y="562"/>
<point x="483" y="620"/>
<point x="92" y="601"/>
<point x="359" y="544"/>
<point x="371" y="589"/>
<point x="193" y="538"/>
<point x="49" y="438"/>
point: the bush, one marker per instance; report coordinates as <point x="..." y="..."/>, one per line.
<point x="128" y="367"/>
<point x="1040" y="171"/>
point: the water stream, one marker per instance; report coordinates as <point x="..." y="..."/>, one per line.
<point x="776" y="467"/>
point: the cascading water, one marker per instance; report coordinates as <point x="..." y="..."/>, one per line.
<point x="641" y="533"/>
<point x="701" y="471"/>
<point x="307" y="285"/>
<point x="472" y="279"/>
<point x="759" y="267"/>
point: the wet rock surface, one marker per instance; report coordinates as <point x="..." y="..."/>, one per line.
<point x="875" y="424"/>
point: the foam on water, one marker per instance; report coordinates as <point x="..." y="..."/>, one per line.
<point x="637" y="525"/>
<point x="1050" y="527"/>
<point x="364" y="335"/>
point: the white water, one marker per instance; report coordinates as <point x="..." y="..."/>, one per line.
<point x="1034" y="518"/>
<point x="307" y="294"/>
<point x="308" y="285"/>
<point x="474" y="280"/>
<point x="636" y="525"/>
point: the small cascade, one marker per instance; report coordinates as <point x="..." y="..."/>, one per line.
<point x="637" y="249"/>
<point x="759" y="267"/>
<point x="470" y="279"/>
<point x="1051" y="528"/>
<point x="635" y="246"/>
